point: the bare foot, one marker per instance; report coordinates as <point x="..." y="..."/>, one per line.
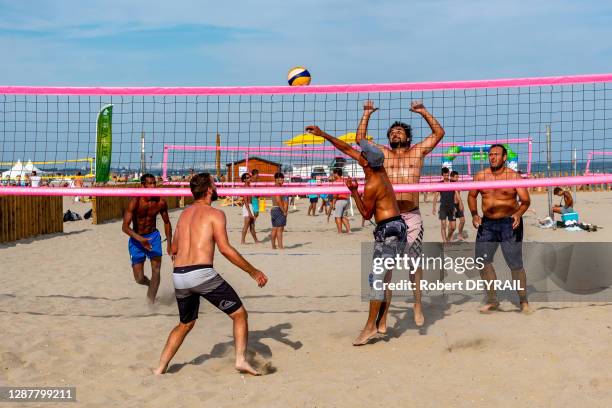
<point x="382" y="327"/>
<point x="489" y="308"/>
<point x="419" y="319"/>
<point x="273" y="247"/>
<point x="160" y="370"/>
<point x="245" y="367"/>
<point x="525" y="309"/>
<point x="364" y="336"/>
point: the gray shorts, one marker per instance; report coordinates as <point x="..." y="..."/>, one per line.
<point x="341" y="206"/>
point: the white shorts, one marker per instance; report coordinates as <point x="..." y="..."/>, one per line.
<point x="245" y="212"/>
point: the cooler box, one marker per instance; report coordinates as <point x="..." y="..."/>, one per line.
<point x="573" y="216"/>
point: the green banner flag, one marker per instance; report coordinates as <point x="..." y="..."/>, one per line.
<point x="104" y="142"/>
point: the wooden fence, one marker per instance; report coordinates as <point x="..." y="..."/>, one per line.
<point x="25" y="217"/>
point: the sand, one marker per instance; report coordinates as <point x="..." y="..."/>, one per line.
<point x="72" y="315"/>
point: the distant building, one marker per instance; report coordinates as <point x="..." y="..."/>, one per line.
<point x="266" y="168"/>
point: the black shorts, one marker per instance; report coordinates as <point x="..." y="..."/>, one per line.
<point x="446" y="214"/>
<point x="314" y="200"/>
<point x="492" y="233"/>
<point x="216" y="290"/>
<point x="279" y="219"/>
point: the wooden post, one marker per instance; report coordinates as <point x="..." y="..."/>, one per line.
<point x="218" y="156"/>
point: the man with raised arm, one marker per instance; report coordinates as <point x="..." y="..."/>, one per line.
<point x="199" y="228"/>
<point x="403" y="162"/>
<point x="145" y="240"/>
<point x="378" y="200"/>
<point x="502" y="222"/>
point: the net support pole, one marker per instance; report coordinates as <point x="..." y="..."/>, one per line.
<point x="574" y="173"/>
<point x="143" y="166"/>
<point x="218" y="156"/>
<point x="165" y="164"/>
<point x="548" y="172"/>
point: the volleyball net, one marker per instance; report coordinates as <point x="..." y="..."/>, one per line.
<point x="554" y="129"/>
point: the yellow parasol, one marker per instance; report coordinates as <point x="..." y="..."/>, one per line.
<point x="304" y="139"/>
<point x="351" y="137"/>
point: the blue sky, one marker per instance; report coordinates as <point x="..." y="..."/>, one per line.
<point x="238" y="43"/>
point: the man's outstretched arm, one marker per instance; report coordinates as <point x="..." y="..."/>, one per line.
<point x="362" y="128"/>
<point x="430" y="142"/>
<point x="232" y="255"/>
<point x="338" y="144"/>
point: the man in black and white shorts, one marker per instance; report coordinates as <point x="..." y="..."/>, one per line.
<point x="200" y="228"/>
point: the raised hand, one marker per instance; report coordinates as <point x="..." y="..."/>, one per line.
<point x="351" y="183"/>
<point x="417" y="107"/>
<point x="369" y="108"/>
<point x="314" y="130"/>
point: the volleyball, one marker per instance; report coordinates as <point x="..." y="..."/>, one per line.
<point x="298" y="76"/>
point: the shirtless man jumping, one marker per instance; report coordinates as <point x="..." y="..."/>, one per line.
<point x="501" y="222"/>
<point x="403" y="162"/>
<point x="145" y="240"/>
<point x="199" y="228"/>
<point x="390" y="233"/>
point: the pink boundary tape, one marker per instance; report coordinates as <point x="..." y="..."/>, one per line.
<point x="399" y="188"/>
<point x="312" y="89"/>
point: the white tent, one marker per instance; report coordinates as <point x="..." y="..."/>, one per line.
<point x="30" y="168"/>
<point x="19" y="169"/>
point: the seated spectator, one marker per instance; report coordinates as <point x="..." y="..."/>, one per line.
<point x="567" y="202"/>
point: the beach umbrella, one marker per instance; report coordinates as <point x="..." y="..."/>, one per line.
<point x="351" y="137"/>
<point x="304" y="139"/>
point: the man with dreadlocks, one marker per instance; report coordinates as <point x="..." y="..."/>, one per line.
<point x="403" y="162"/>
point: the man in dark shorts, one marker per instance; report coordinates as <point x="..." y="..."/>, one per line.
<point x="501" y="223"/>
<point x="278" y="214"/>
<point x="199" y="228"/>
<point x="390" y="234"/>
<point x="313" y="198"/>
<point x="459" y="210"/>
<point x="447" y="208"/>
<point x="145" y="240"/>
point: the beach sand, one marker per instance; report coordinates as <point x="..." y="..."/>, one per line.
<point x="72" y="315"/>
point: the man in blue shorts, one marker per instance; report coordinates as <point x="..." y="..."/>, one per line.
<point x="145" y="240"/>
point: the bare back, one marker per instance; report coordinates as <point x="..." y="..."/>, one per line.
<point x="502" y="202"/>
<point x="194" y="241"/>
<point x="379" y="186"/>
